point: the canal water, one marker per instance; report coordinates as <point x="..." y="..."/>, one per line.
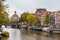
<point x="24" y="34"/>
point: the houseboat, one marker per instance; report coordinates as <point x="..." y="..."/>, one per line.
<point x="54" y="29"/>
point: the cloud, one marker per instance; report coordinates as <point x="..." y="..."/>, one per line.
<point x="31" y="5"/>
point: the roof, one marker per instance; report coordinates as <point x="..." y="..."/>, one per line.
<point x="40" y="10"/>
<point x="14" y="15"/>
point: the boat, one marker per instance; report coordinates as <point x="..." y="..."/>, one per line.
<point x="54" y="30"/>
<point x="36" y="28"/>
<point x="45" y="29"/>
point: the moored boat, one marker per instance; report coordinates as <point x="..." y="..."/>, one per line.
<point x="45" y="29"/>
<point x="36" y="28"/>
<point x="54" y="30"/>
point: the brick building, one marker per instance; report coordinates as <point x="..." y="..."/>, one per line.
<point x="41" y="12"/>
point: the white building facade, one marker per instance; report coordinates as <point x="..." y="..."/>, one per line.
<point x="57" y="18"/>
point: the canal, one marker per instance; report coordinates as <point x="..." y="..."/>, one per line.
<point x="23" y="34"/>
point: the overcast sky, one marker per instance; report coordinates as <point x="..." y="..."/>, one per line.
<point x="31" y="5"/>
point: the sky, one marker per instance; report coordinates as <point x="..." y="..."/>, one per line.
<point x="31" y="5"/>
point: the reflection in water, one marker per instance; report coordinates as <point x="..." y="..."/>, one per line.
<point x="37" y="35"/>
<point x="14" y="34"/>
<point x="24" y="34"/>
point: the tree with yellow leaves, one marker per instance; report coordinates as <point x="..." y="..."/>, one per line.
<point x="30" y="18"/>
